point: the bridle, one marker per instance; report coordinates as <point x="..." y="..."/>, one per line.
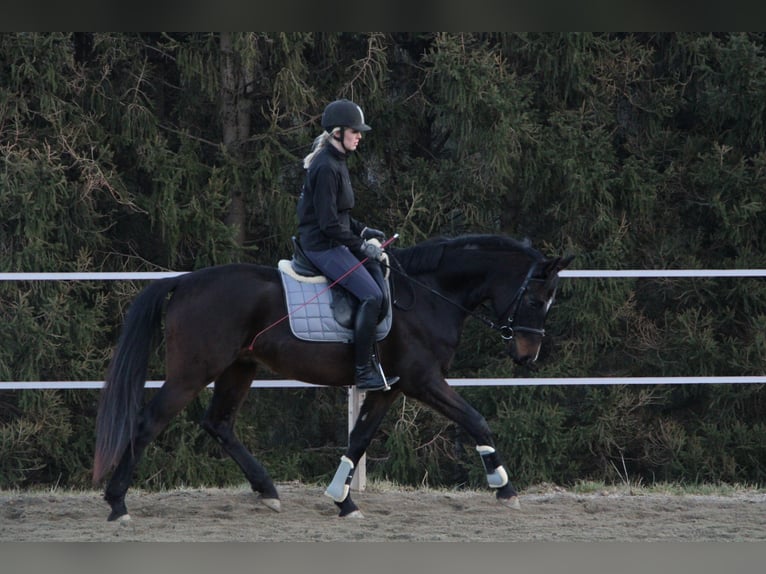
<point x="506" y="328"/>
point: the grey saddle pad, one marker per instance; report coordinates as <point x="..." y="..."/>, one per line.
<point x="310" y="315"/>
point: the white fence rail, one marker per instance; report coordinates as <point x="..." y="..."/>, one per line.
<point x="577" y="273"/>
<point x="517" y="382"/>
<point x="591" y="273"/>
<point x="354" y="396"/>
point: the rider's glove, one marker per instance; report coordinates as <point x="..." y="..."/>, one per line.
<point x="371" y="250"/>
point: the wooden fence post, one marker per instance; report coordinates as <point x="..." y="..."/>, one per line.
<point x="355" y="398"/>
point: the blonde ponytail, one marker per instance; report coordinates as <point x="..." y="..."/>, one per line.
<point x="319" y="143"/>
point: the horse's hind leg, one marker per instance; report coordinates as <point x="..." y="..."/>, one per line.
<point x="374" y="408"/>
<point x="152" y="419"/>
<point x="229" y="393"/>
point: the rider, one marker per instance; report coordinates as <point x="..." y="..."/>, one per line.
<point x="333" y="240"/>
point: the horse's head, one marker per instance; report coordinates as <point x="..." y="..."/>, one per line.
<point x="523" y="321"/>
<point x="518" y="280"/>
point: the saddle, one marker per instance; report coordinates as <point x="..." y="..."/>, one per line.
<point x="319" y="314"/>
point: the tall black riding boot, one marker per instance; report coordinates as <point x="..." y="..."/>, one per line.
<point x="366" y="376"/>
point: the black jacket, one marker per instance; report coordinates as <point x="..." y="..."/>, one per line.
<point x="325" y="204"/>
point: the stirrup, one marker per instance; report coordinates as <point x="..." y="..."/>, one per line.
<point x="362" y="389"/>
<point x="387" y="383"/>
<point x="386" y="386"/>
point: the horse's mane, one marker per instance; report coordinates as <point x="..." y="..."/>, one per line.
<point x="426" y="256"/>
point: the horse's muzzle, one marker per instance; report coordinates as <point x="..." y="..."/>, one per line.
<point x="524" y="353"/>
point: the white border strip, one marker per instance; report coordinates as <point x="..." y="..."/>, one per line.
<point x="520" y="382"/>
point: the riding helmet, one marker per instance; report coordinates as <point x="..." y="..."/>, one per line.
<point x="344" y="114"/>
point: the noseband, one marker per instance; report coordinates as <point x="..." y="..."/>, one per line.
<point x="507" y="329"/>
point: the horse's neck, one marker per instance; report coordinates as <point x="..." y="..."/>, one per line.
<point x="470" y="280"/>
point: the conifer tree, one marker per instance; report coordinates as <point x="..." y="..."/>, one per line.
<point x="176" y="151"/>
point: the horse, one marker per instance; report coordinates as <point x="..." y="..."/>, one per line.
<point x="224" y="322"/>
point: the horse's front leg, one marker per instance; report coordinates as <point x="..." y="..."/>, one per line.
<point x="444" y="399"/>
<point x="374" y="408"/>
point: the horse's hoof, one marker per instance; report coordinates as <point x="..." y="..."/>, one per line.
<point x="357" y="514"/>
<point x="116" y="517"/>
<point x="272" y="503"/>
<point x="512" y="502"/>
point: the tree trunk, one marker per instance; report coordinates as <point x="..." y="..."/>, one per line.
<point x="235" y="115"/>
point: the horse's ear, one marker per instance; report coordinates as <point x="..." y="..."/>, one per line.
<point x="557" y="264"/>
<point x="564" y="262"/>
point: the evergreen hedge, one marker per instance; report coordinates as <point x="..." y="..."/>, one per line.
<point x="159" y="151"/>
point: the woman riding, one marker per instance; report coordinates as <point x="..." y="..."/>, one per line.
<point x="332" y="239"/>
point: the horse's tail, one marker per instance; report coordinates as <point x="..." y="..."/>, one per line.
<point x="121" y="397"/>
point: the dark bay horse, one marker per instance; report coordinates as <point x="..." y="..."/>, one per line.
<point x="212" y="317"/>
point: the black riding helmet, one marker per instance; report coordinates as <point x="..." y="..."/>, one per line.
<point x="344" y="114"/>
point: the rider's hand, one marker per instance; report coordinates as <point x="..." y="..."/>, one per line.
<point x="370" y="233"/>
<point x="372" y="251"/>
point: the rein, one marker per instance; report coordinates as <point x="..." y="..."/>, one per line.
<point x="506" y="329"/>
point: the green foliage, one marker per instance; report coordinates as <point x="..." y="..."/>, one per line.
<point x="535" y="436"/>
<point x="155" y="151"/>
<point x="416" y="448"/>
<point x="42" y="441"/>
